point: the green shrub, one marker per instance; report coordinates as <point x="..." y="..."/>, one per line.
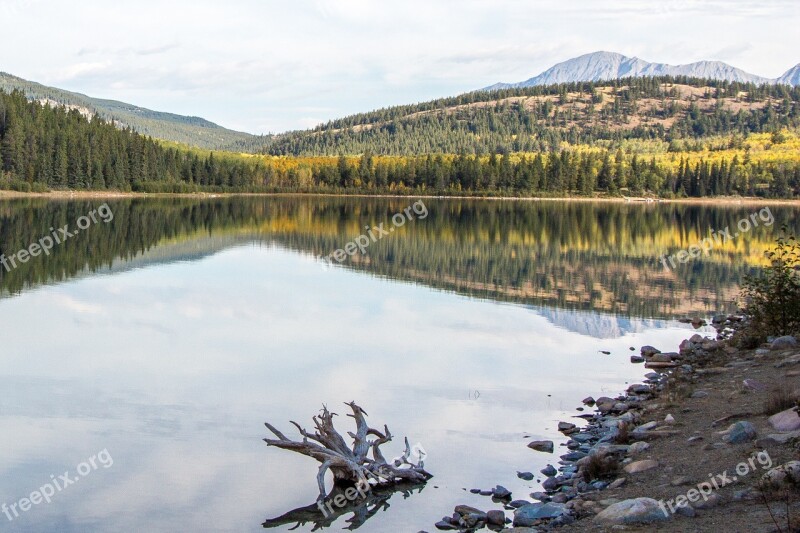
<point x="772" y="299"/>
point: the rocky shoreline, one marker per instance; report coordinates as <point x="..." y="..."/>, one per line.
<point x="648" y="457"/>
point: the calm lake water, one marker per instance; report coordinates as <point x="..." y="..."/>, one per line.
<point x="155" y="345"/>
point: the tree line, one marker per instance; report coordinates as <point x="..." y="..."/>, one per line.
<point x="44" y="147"/>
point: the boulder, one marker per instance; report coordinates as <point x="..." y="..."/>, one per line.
<point x="649" y="351"/>
<point x="496" y="517"/>
<point x="501" y="493"/>
<point x="530" y="514"/>
<point x="545" y="446"/>
<point x="549" y="471"/>
<point x="465" y="510"/>
<point x="783" y="343"/>
<point x="640" y="466"/>
<point x="566" y="427"/>
<point x="783" y="475"/>
<point x="638" y="447"/>
<point x="739" y="433"/>
<point x="635" y="511"/>
<point x="788" y="420"/>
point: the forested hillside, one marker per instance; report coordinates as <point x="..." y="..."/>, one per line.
<point x="193" y="131"/>
<point x="543" y="118"/>
<point x="42" y="147"/>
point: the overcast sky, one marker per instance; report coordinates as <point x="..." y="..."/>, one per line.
<point x="267" y="66"/>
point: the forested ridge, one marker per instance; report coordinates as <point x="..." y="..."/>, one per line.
<point x="542" y="118"/>
<point x="44" y="147"/>
<point x="168" y="126"/>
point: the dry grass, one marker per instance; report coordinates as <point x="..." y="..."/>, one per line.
<point x="600" y="466"/>
<point x="780" y="399"/>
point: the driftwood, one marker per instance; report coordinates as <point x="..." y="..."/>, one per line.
<point x="363" y="509"/>
<point x="350" y="464"/>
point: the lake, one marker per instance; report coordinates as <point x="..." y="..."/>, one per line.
<point x="142" y="354"/>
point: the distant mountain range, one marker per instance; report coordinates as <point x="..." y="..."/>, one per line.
<point x="602" y="66"/>
<point x="194" y="131"/>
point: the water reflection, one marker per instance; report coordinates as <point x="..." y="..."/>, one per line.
<point x="596" y="257"/>
<point x="177" y="330"/>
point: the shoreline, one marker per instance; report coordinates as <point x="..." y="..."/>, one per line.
<point x="690" y="449"/>
<point x="719" y="201"/>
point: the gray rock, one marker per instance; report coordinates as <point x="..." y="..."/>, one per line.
<point x="640" y="466"/>
<point x="496" y="517"/>
<point x="635" y="511"/>
<point x="638" y="447"/>
<point x="588" y="401"/>
<point x="444" y="525"/>
<point x="471" y="521"/>
<point x="571" y="457"/>
<point x="661" y="358"/>
<point x="525" y="476"/>
<point x="640" y="389"/>
<point x="700" y="394"/>
<point x="637" y="359"/>
<point x="501" y="493"/>
<point x="740" y="432"/>
<point x="617" y="483"/>
<point x="680" y="480"/>
<point x="789" y="361"/>
<point x="516" y="504"/>
<point x="788" y="420"/>
<point x="464" y="510"/>
<point x="782" y="476"/>
<point x="646" y="427"/>
<point x="545" y="446"/>
<point x="566" y="426"/>
<point x="685" y="510"/>
<point x="549" y="471"/>
<point x="712" y="501"/>
<point x="541" y="496"/>
<point x="649" y="351"/>
<point x="530" y="514"/>
<point x="551" y="484"/>
<point x="783" y="438"/>
<point x="783" y="343"/>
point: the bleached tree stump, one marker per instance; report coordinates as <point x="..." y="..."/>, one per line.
<point x="350" y="464"/>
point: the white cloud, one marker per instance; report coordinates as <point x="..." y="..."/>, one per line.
<point x="256" y="65"/>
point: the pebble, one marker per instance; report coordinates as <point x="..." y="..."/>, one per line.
<point x="700" y="394"/>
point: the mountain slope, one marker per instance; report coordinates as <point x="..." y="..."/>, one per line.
<point x="542" y="118"/>
<point x="602" y="66"/>
<point x="194" y="131"/>
<point x="792" y="76"/>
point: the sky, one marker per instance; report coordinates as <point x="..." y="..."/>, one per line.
<point x="266" y="66"/>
